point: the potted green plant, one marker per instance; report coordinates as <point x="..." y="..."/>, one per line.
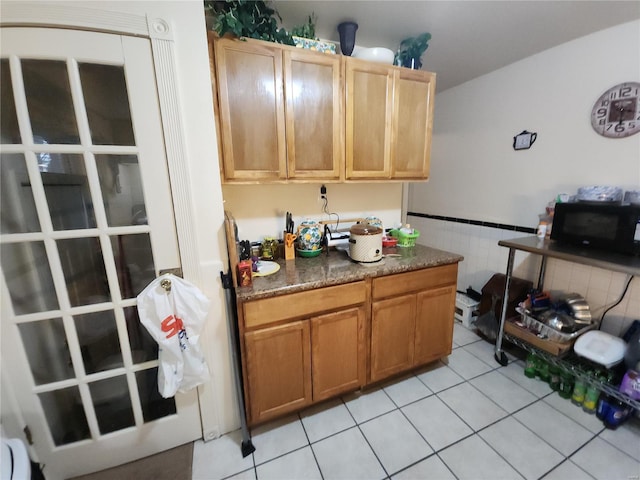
<point x="247" y="18"/>
<point x="304" y="36"/>
<point x="411" y="50"/>
<point x="307" y="29"/>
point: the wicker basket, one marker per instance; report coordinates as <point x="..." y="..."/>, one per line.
<point x="405" y="239"/>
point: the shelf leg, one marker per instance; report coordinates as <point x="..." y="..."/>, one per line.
<point x="501" y="358"/>
<point x="499" y="355"/>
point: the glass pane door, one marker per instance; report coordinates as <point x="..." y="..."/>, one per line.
<point x="82" y="233"/>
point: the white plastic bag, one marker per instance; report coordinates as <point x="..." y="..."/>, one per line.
<point x="174" y="317"/>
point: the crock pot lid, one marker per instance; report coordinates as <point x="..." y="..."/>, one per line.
<point x="365" y="229"/>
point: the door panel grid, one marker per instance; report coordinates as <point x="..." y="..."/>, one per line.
<point x="79" y="249"/>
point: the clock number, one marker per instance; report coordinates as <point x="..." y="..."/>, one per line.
<point x="616" y="113"/>
<point x="624" y="92"/>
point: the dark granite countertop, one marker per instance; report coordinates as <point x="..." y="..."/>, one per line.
<point x="337" y="268"/>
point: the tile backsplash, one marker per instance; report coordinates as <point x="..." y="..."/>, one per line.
<point x="483" y="257"/>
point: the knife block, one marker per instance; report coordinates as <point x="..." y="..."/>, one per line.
<point x="289" y="250"/>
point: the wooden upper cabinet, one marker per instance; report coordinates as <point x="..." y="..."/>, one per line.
<point x="251" y="109"/>
<point x="413" y="122"/>
<point x="389" y="120"/>
<point x="292" y="115"/>
<point x="314" y="116"/>
<point x="369" y="104"/>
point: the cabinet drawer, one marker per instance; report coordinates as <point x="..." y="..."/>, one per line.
<point x="302" y="304"/>
<point x="392" y="285"/>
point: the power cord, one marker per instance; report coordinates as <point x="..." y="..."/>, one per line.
<point x="624" y="292"/>
<point x="325" y="207"/>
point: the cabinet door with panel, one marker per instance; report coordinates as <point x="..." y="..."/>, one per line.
<point x="337" y="352"/>
<point x="251" y="109"/>
<point x="369" y="105"/>
<point x="393" y="324"/>
<point x="389" y="120"/>
<point x="414" y="92"/>
<point x="314" y="115"/>
<point x="412" y="319"/>
<point x="434" y="324"/>
<point x="278" y="363"/>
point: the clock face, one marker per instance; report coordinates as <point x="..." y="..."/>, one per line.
<point x="617" y="112"/>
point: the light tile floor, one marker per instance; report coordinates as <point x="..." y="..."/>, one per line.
<point x="466" y="417"/>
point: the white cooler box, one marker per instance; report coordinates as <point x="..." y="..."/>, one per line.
<point x="465" y="306"/>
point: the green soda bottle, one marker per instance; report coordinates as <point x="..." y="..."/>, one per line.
<point x="543" y="370"/>
<point x="531" y="365"/>
<point x="592" y="395"/>
<point x="554" y="377"/>
<point x="566" y="384"/>
<point x="579" y="390"/>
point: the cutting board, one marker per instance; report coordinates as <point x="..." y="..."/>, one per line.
<point x="232" y="245"/>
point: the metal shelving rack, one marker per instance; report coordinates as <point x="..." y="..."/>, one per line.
<point x="549" y="249"/>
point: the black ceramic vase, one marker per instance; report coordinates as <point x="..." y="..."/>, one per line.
<point x="347" y="31"/>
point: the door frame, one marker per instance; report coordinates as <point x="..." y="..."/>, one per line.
<point x="160" y="32"/>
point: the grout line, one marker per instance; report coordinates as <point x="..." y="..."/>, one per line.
<point x="309" y="445"/>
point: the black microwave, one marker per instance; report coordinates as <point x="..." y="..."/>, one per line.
<point x="605" y="226"/>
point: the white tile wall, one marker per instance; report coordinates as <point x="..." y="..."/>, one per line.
<point x="483" y="257"/>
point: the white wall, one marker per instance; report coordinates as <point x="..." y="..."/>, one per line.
<point x="476" y="174"/>
<point x="260" y="210"/>
<point x="475" y="171"/>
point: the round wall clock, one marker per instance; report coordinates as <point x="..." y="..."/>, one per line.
<point x="616" y="113"/>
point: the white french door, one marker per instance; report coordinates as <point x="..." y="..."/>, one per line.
<point x="86" y="223"/>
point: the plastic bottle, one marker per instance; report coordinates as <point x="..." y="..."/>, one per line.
<point x="554" y="377"/>
<point x="543" y="370"/>
<point x="579" y="390"/>
<point x="531" y="365"/>
<point x="591" y="396"/>
<point x="604" y="405"/>
<point x="566" y="384"/>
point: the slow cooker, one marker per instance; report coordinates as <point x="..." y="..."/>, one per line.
<point x="365" y="243"/>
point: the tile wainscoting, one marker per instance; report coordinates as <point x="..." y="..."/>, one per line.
<point x="478" y="243"/>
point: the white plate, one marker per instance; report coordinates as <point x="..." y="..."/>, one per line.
<point x="266" y="267"/>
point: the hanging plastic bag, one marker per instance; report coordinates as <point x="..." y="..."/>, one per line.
<point x="174" y="313"/>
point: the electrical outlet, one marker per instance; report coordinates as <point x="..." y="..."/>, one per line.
<point x="323" y="192"/>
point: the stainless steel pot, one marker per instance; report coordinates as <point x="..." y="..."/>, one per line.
<point x="365" y="243"/>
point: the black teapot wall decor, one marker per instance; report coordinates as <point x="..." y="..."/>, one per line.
<point x="524" y="140"/>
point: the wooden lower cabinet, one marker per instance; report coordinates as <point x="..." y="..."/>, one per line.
<point x="337" y="353"/>
<point x="278" y="362"/>
<point x="411" y="329"/>
<point x="392" y="333"/>
<point x="305" y="347"/>
<point x="302" y="348"/>
<point x="434" y="324"/>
